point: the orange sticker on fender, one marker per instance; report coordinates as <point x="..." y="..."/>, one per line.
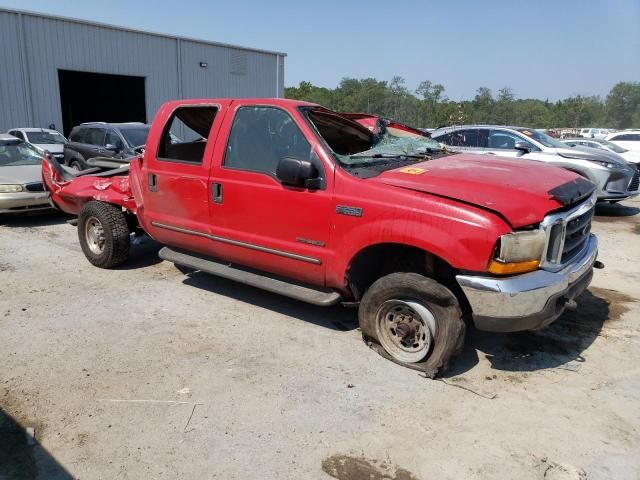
<point x="413" y="170"/>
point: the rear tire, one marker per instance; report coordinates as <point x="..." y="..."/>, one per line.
<point x="104" y="234"/>
<point x="413" y="321"/>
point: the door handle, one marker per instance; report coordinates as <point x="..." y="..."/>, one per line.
<point x="152" y="182"/>
<point x="216" y="192"/>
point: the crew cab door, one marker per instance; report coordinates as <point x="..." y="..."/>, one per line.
<point x="175" y="174"/>
<point x="258" y="221"/>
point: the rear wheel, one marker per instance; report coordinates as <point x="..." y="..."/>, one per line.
<point x="412" y="320"/>
<point x="104" y="234"/>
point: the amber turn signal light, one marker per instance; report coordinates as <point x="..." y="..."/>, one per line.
<point x="500" y="268"/>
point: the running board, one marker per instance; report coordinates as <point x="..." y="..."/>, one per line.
<point x="309" y="294"/>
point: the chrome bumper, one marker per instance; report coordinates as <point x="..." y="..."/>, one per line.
<point x="24" y="202"/>
<point x="529" y="301"/>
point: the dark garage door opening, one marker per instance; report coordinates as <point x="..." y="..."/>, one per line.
<point x="100" y="97"/>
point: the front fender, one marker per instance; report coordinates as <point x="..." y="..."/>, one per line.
<point x="463" y="236"/>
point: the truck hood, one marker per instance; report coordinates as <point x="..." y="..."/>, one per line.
<point x="51" y="147"/>
<point x="20" y="174"/>
<point x="520" y="191"/>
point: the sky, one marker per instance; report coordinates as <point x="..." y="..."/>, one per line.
<point x="540" y="49"/>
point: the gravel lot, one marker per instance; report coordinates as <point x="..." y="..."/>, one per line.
<point x="147" y="372"/>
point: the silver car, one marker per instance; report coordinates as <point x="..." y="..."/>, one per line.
<point x="21" y="188"/>
<point x="614" y="177"/>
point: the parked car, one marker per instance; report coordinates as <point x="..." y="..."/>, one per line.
<point x="21" y="188"/>
<point x="629" y="155"/>
<point x="109" y="140"/>
<point x="629" y="139"/>
<point x="298" y="200"/>
<point x="44" y="139"/>
<point x="594" y="132"/>
<point x="615" y="179"/>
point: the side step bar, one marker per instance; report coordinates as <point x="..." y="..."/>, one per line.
<point x="309" y="294"/>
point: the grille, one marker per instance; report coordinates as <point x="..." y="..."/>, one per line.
<point x="635" y="182"/>
<point x="567" y="234"/>
<point x="34" y="187"/>
<point x="576" y="234"/>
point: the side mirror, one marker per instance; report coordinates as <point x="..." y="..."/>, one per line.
<point x="297" y="173"/>
<point x="111" y="147"/>
<point x="522" y="147"/>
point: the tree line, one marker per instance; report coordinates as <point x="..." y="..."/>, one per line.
<point x="429" y="106"/>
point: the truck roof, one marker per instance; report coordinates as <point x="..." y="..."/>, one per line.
<point x="262" y="101"/>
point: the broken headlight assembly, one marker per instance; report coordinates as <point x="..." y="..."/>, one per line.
<point x="518" y="252"/>
<point x="11" y="188"/>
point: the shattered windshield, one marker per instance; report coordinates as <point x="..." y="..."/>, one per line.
<point x="18" y="153"/>
<point x="354" y="145"/>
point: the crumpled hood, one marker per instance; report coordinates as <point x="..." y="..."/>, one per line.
<point x="521" y="191"/>
<point x="20" y="174"/>
<point x="588" y="153"/>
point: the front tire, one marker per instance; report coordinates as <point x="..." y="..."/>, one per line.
<point x="412" y="320"/>
<point x="104" y="234"/>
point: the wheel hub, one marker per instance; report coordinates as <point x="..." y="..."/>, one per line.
<point x="94" y="235"/>
<point x="406" y="329"/>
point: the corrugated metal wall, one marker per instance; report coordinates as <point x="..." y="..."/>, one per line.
<point x="34" y="48"/>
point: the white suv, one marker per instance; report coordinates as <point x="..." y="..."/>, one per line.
<point x="614" y="177"/>
<point x="629" y="139"/>
<point x="594" y="132"/>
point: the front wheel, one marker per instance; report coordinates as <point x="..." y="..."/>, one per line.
<point x="104" y="234"/>
<point x="412" y="320"/>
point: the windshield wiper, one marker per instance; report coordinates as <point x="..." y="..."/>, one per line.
<point x="389" y="155"/>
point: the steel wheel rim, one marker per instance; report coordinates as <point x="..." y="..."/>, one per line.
<point x="94" y="234"/>
<point x="406" y="329"/>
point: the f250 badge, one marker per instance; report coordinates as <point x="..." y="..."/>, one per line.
<point x="351" y="211"/>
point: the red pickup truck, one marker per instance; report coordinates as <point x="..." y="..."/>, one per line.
<point x="299" y="200"/>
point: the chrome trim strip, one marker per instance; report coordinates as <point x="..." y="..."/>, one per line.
<point x="237" y="243"/>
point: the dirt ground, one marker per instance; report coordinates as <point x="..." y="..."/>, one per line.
<point x="145" y="372"/>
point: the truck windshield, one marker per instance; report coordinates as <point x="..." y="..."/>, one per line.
<point x="354" y="145"/>
<point x="135" y="136"/>
<point x="542" y="138"/>
<point x="46" y="138"/>
<point x="18" y="153"/>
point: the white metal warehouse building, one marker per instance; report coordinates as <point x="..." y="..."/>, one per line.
<point x="61" y="71"/>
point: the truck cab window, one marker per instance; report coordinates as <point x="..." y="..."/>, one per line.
<point x="260" y="137"/>
<point x="185" y="137"/>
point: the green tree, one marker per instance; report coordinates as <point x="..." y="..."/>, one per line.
<point x="623" y="105"/>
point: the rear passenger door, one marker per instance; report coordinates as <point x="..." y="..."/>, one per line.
<point x="175" y="176"/>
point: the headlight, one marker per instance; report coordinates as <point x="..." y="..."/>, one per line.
<point x="604" y="164"/>
<point x="11" y="188"/>
<point x="518" y="252"/>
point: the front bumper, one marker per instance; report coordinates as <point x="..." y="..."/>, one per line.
<point x="24" y="202"/>
<point x="529" y="301"/>
<point x="620" y="185"/>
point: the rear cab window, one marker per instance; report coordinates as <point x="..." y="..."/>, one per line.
<point x="186" y="133"/>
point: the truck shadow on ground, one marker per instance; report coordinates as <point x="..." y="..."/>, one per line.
<point x="334" y="318"/>
<point x="607" y="210"/>
<point x="560" y="345"/>
<point x="22" y="459"/>
<point x="32" y="220"/>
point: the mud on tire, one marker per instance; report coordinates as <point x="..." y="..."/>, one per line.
<point x="104" y="234"/>
<point x="396" y="297"/>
